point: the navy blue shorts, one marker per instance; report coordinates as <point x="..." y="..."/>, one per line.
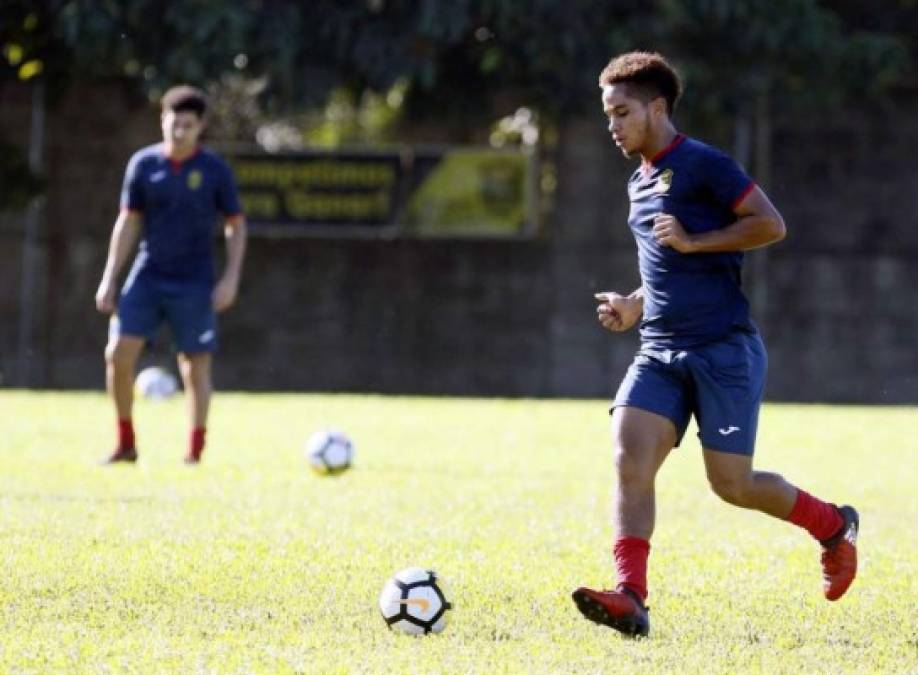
<point x="146" y="302"/>
<point x="720" y="383"/>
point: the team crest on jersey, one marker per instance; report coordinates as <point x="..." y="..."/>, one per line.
<point x="195" y="179"/>
<point x="664" y="182"/>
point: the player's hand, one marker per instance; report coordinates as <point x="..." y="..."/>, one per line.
<point x="617" y="312"/>
<point x="105" y="297"/>
<point x="668" y="231"/>
<point x="224" y="294"/>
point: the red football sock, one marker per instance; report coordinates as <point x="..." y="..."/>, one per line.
<point x="820" y="519"/>
<point x="631" y="563"/>
<point x="196" y="442"/>
<point x="125" y="434"/>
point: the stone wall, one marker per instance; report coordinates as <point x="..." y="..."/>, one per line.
<point x="88" y="139"/>
<point x="488" y="317"/>
<point x="14" y="125"/>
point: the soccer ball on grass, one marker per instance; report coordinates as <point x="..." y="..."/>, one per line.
<point x="329" y="452"/>
<point x="415" y="601"/>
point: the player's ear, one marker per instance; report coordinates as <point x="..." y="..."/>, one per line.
<point x="658" y="107"/>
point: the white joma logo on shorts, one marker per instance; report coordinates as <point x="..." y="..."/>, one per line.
<point x="206" y="336"/>
<point x="729" y="430"/>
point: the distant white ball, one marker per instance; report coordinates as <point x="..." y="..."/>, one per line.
<point x="416" y="601"/>
<point x="155" y="383"/>
<point x="329" y="451"/>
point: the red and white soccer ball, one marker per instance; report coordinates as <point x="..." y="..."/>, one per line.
<point x="329" y="452"/>
<point x="416" y="601"/>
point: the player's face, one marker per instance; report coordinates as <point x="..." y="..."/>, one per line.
<point x="181" y="129"/>
<point x="629" y="119"/>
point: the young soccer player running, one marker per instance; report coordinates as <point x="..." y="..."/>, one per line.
<point x="173" y="196"/>
<point x="693" y="213"/>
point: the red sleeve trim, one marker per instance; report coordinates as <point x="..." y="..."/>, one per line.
<point x="239" y="215"/>
<point x="742" y="195"/>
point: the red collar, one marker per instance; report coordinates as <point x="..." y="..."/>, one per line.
<point x="665" y="151"/>
<point x="176" y="164"/>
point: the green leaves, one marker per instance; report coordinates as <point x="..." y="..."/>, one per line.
<point x="473" y="57"/>
<point x="796" y="50"/>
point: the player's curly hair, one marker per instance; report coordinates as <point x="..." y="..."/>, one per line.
<point x="648" y="75"/>
<point x="184" y="97"/>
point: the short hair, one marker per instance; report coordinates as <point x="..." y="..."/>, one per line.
<point x="182" y="98"/>
<point x="647" y="75"/>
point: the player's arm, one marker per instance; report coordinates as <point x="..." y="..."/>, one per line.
<point x="618" y="312"/>
<point x="757" y="224"/>
<point x="124" y="237"/>
<point x="235" y="233"/>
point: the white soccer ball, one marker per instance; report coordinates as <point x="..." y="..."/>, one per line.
<point x="415" y="601"/>
<point x="155" y="383"/>
<point x="329" y="452"/>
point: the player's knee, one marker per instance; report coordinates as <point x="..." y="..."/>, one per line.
<point x="118" y="355"/>
<point x="732" y="489"/>
<point x="631" y="465"/>
<point x="195" y="368"/>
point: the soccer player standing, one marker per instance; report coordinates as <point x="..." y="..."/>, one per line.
<point x="174" y="195"/>
<point x="693" y="213"/>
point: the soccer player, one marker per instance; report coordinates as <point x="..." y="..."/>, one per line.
<point x="693" y="213"/>
<point x="174" y="195"/>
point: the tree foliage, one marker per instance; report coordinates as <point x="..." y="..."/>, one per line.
<point x="795" y="51"/>
<point x="461" y="57"/>
<point x="462" y="63"/>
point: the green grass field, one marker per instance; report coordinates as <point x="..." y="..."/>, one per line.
<point x="250" y="563"/>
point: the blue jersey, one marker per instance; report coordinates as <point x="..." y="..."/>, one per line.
<point x="690" y="299"/>
<point x="181" y="203"/>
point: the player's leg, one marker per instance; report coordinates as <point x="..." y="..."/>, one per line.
<point x="196" y="377"/>
<point x="121" y="354"/>
<point x="642" y="440"/>
<point x="730" y="382"/>
<point x="191" y="317"/>
<point x="138" y="317"/>
<point x="649" y="418"/>
<point x="733" y="479"/>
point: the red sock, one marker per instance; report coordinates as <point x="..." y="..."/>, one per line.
<point x="820" y="519"/>
<point x="631" y="563"/>
<point x="196" y="442"/>
<point x="125" y="434"/>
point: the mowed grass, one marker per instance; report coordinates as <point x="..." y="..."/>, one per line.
<point x="250" y="563"/>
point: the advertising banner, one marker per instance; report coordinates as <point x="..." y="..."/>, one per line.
<point x="429" y="192"/>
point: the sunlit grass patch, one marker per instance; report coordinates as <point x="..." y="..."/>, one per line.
<point x="251" y="562"/>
